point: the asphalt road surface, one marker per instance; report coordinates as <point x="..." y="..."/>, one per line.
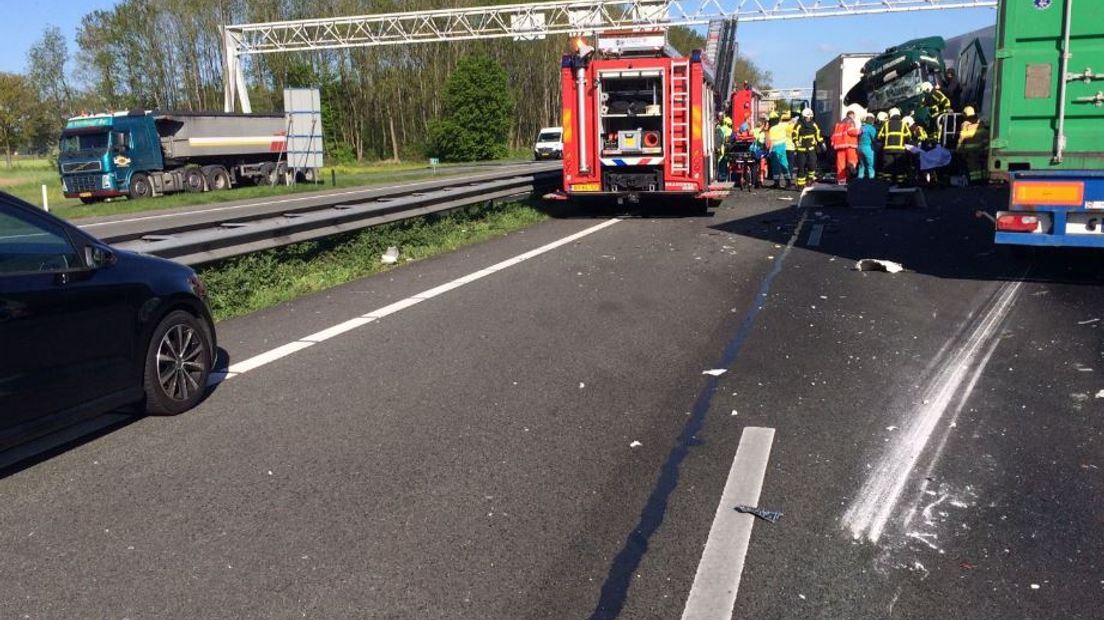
<point x="523" y="429"/>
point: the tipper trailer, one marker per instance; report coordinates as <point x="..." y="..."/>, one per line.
<point x="141" y="154"/>
<point x="1047" y="134"/>
<point x="637" y="120"/>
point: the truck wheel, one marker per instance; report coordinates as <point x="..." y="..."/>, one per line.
<point x="218" y="179"/>
<point x="140" y="187"/>
<point x="193" y="180"/>
<point x="178" y="362"/>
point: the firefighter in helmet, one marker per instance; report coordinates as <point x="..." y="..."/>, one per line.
<point x="973" y="145"/>
<point x="808" y="141"/>
<point x="935" y="101"/>
<point x="894" y="136"/>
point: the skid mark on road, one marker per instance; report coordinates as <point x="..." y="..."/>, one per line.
<point x="958" y="369"/>
<point x="624" y="565"/>
<point x="285" y="350"/>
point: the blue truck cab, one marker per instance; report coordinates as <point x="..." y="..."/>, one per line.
<point x="100" y="156"/>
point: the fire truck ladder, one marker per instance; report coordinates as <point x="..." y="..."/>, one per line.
<point x="526" y="22"/>
<point x="680" y="118"/>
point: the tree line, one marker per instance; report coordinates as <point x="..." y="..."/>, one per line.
<point x="378" y="102"/>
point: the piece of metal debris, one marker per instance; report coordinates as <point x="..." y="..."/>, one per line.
<point x="391" y="256"/>
<point x="877" y="264"/>
<point x="766" y="515"/>
<point x="715" y="372"/>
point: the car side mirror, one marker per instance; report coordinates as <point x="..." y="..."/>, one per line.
<point x="96" y="257"/>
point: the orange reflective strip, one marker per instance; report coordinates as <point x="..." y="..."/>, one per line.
<point x="1062" y="193"/>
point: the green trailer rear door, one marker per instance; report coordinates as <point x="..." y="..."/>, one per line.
<point x="1027" y="98"/>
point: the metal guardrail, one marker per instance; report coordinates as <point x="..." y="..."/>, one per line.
<point x="205" y="235"/>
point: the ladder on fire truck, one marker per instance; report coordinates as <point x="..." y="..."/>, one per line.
<point x="680" y="118"/>
<point x="525" y="22"/>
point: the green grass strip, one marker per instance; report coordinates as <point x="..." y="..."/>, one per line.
<point x="248" y="283"/>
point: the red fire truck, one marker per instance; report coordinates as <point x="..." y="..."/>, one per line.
<point x="637" y="120"/>
<point x="746" y="106"/>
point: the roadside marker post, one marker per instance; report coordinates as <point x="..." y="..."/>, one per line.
<point x="45" y="201"/>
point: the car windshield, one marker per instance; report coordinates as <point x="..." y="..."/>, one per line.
<point x="549" y="136"/>
<point x="72" y="143"/>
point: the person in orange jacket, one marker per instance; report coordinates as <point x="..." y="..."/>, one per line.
<point x="845" y="139"/>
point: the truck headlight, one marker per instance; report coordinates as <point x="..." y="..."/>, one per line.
<point x="105" y="181"/>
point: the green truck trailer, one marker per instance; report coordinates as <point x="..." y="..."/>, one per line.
<point x="1047" y="134"/>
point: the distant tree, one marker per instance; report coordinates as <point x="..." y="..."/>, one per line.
<point x="684" y="39"/>
<point x="46" y="62"/>
<point x="18" y="106"/>
<point x="477" y="112"/>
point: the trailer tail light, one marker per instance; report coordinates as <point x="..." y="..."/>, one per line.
<point x="651" y="139"/>
<point x="1021" y="222"/>
<point x="1048" y="193"/>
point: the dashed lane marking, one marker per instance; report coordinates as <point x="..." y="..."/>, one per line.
<point x="718" y="578"/>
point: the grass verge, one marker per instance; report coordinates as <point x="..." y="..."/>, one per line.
<point x="248" y="283"/>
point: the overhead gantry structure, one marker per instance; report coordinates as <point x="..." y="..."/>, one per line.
<point x="527" y="22"/>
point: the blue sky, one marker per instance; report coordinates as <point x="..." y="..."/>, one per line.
<point x="24" y="21"/>
<point x="792" y="50"/>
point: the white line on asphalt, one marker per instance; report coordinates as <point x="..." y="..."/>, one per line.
<point x="273" y="202"/>
<point x="814" y="235"/>
<point x="956" y="377"/>
<point x="718" y="578"/>
<point x="283" y="351"/>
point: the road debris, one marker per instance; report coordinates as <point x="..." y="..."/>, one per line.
<point x="1087" y="322"/>
<point x="1100" y="394"/>
<point x="391" y="256"/>
<point x="1035" y="586"/>
<point x="715" y="372"/>
<point x="786" y="198"/>
<point x="877" y="264"/>
<point x="766" y="515"/>
<point x="733" y="412"/>
<point x="581" y="385"/>
<point x="635" y="444"/>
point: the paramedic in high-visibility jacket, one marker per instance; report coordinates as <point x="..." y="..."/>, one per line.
<point x="845" y="140"/>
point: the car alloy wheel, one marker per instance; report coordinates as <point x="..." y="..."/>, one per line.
<point x="181" y="362"/>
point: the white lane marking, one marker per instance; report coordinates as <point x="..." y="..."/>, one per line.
<point x="814" y="235"/>
<point x="718" y="578"/>
<point x="273" y="202"/>
<point x="876" y="501"/>
<point x="283" y="351"/>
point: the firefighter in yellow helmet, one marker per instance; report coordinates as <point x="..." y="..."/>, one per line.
<point x="973" y="145"/>
<point x="808" y="141"/>
<point x="894" y="136"/>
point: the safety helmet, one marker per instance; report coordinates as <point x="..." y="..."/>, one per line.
<point x="894" y="112"/>
<point x="969" y="110"/>
<point x="908" y="121"/>
<point x="926" y="87"/>
<point x="727" y="121"/>
<point x="869" y="118"/>
<point x="882" y="116"/>
<point x="773" y="116"/>
<point x="807" y="113"/>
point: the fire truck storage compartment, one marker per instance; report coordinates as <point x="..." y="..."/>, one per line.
<point x="631" y="119"/>
<point x="632" y="178"/>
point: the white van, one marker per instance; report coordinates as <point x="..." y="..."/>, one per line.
<point x="549" y="144"/>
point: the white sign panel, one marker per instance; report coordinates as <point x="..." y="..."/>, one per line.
<point x="303" y="108"/>
<point x="528" y="22"/>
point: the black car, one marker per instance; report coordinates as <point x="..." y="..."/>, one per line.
<point x="86" y="329"/>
